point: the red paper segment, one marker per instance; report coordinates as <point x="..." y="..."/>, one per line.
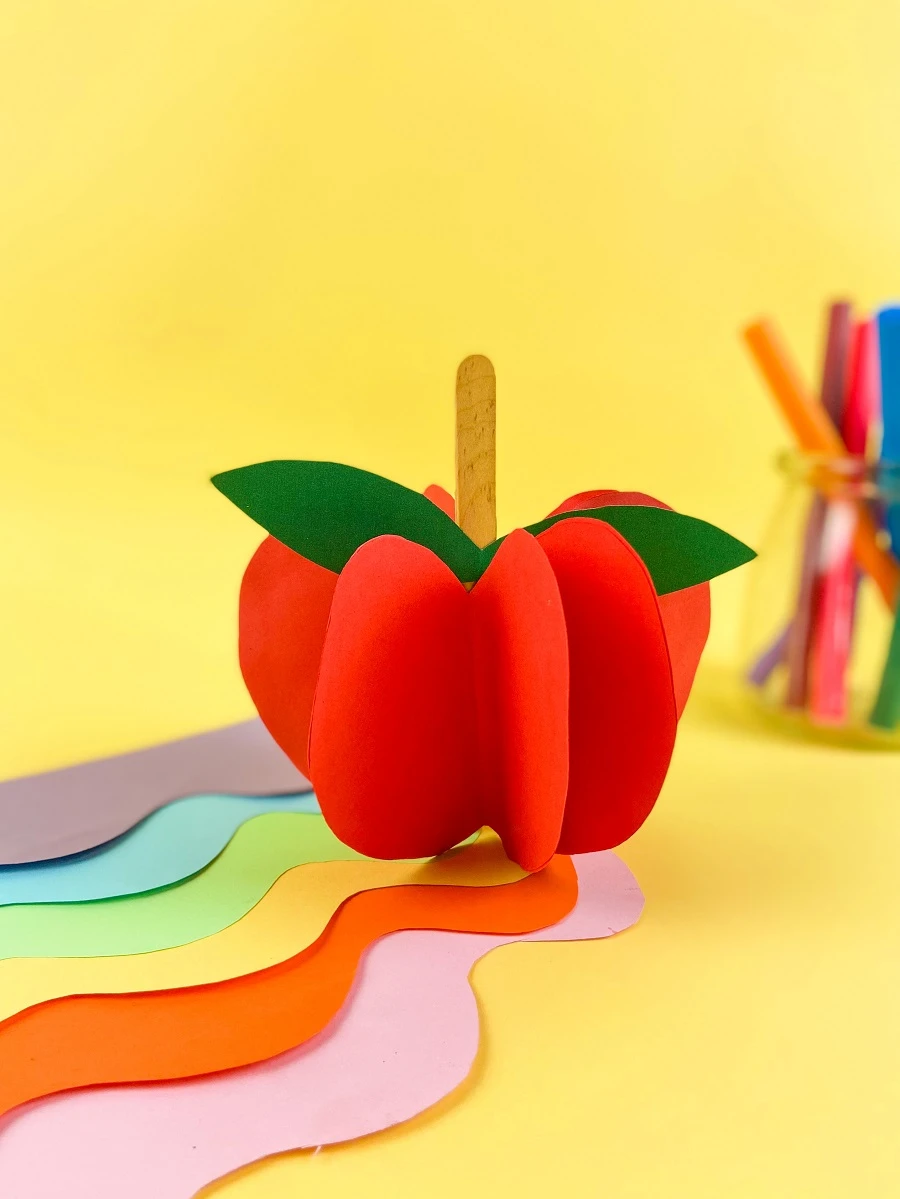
<point x="685" y="614"/>
<point x="604" y="499"/>
<point x="393" y="739"/>
<point x="522" y="688"/>
<point x="622" y="715"/>
<point x="444" y="500"/>
<point x="284" y="607"/>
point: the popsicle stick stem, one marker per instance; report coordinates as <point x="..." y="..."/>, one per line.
<point x="476" y="494"/>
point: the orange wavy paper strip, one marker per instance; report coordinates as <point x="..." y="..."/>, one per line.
<point x="83" y="1040"/>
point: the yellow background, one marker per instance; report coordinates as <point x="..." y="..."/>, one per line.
<point x="238" y="229"/>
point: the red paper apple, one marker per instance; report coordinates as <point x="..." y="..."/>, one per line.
<point x="429" y="686"/>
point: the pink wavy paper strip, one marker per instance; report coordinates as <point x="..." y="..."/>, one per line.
<point x="406" y="1036"/>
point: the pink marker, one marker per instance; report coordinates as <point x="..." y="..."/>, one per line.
<point x="799" y="652"/>
<point x="833" y="632"/>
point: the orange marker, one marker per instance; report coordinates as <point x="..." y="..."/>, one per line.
<point x="816" y="433"/>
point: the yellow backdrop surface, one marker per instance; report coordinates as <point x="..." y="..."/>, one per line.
<point x="235" y="230"/>
<point x="240" y="229"/>
<point x="741" y="1042"/>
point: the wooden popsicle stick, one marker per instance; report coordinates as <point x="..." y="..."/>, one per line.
<point x="816" y="433"/>
<point x="476" y="490"/>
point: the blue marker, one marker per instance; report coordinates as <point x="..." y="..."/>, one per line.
<point x="889" y="354"/>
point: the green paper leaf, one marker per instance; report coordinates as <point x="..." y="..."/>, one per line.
<point x="678" y="551"/>
<point x="325" y="512"/>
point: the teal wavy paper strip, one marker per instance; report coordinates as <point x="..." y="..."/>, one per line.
<point x="169" y="845"/>
<point x="261" y="850"/>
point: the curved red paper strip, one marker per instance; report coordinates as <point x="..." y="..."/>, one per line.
<point x="393" y="740"/>
<point x="444" y="500"/>
<point x="522" y="689"/>
<point x="284" y="606"/>
<point x="622" y="716"/>
<point x="83" y="1040"/>
<point x="685" y="614"/>
<point x="604" y="498"/>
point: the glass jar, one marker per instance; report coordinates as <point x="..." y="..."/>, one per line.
<point x="821" y="649"/>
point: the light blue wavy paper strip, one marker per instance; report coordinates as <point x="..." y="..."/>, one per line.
<point x="168" y="846"/>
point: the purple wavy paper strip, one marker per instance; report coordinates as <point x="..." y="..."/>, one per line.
<point x="66" y="811"/>
<point x="406" y="1037"/>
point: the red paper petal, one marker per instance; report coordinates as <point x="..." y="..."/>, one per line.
<point x="685" y="616"/>
<point x="603" y="499"/>
<point x="522" y="684"/>
<point x="442" y="498"/>
<point x="685" y="613"/>
<point x="622" y="716"/>
<point x="393" y="743"/>
<point x="284" y="606"/>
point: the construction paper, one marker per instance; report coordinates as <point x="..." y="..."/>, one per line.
<point x="84" y="1040"/>
<point x="685" y="614"/>
<point x="679" y="551"/>
<point x="393" y="730"/>
<point x="444" y="500"/>
<point x="521" y="662"/>
<point x="326" y="511"/>
<point x="622" y="714"/>
<point x="604" y="498"/>
<point x="686" y="618"/>
<point x="259" y="853"/>
<point x="406" y="1036"/>
<point x="284" y="606"/>
<point x="437" y="711"/>
<point x="169" y="845"/>
<point x="66" y="811"/>
<point x="288" y="918"/>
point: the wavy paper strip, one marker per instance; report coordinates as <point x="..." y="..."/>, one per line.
<point x="288" y="919"/>
<point x="406" y="1037"/>
<point x="258" y="854"/>
<point x="66" y="811"/>
<point x="167" y="846"/>
<point x="84" y="1040"/>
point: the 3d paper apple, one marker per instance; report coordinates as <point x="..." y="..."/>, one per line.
<point x="431" y="678"/>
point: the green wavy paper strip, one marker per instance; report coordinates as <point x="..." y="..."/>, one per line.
<point x="261" y="850"/>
